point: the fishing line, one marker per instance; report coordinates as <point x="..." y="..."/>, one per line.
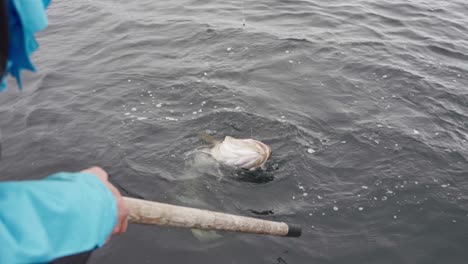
<point x="243" y="12"/>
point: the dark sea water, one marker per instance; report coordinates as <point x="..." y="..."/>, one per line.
<point x="364" y="103"/>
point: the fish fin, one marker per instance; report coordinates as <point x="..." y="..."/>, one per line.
<point x="207" y="138"/>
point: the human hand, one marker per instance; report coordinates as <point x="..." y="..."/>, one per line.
<point x="122" y="215"/>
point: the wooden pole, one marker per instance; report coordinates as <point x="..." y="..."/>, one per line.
<point x="154" y="213"/>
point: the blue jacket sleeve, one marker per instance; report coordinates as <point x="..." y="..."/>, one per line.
<point x="25" y="19"/>
<point x="63" y="214"/>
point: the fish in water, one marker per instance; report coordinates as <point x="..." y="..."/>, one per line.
<point x="247" y="154"/>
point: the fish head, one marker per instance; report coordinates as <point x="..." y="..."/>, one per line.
<point x="244" y="153"/>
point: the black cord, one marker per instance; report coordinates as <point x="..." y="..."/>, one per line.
<point x="4" y="36"/>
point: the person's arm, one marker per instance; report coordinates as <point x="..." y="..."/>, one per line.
<point x="63" y="214"/>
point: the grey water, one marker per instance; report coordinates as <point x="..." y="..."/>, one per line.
<point x="364" y="103"/>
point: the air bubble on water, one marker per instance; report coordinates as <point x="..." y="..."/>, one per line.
<point x="203" y="103"/>
<point x="205" y="73"/>
<point x="237" y="108"/>
<point x="375" y="198"/>
<point x="195" y="112"/>
<point x="310" y="150"/>
<point x="142" y="103"/>
<point x="129" y="80"/>
<point x="343" y="142"/>
<point x="335" y="208"/>
<point x="305" y="194"/>
<point x="141" y="118"/>
<point x="134" y="109"/>
<point x="444" y="185"/>
<point x="127" y="114"/>
<point x="364" y="187"/>
<point x="384" y="198"/>
<point x="229" y="49"/>
<point x="323" y="213"/>
<point x="389" y="191"/>
<point x="385" y="76"/>
<point x="159" y="105"/>
<point x="282" y="117"/>
<point x="294" y="197"/>
<point x="379" y="125"/>
<point x="287" y="51"/>
<point x="394" y="217"/>
<point x="310" y="214"/>
<point x="319" y="197"/>
<point x="200" y="110"/>
<point x="301" y="187"/>
<point x="291" y="61"/>
<point x="416" y="132"/>
<point x="454" y="221"/>
<point x="360" y="208"/>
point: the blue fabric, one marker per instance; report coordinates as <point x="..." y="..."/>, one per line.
<point x="26" y="17"/>
<point x="63" y="214"/>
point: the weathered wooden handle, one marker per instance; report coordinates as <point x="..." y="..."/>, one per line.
<point x="146" y="212"/>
